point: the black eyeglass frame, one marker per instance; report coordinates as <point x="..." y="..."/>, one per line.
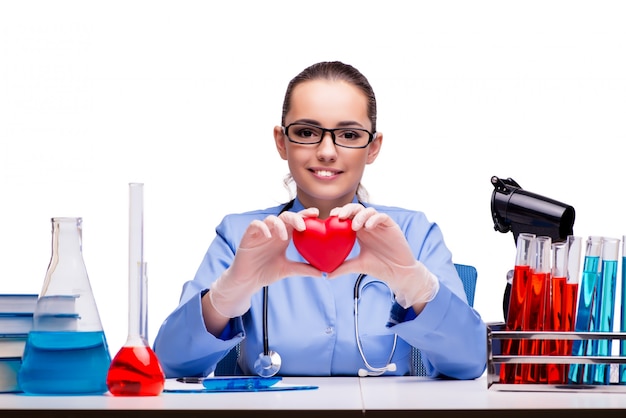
<point x="332" y="135"/>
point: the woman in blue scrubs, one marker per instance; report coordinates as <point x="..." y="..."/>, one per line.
<point x="253" y="288"/>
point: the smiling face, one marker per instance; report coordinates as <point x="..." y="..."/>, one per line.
<point x="326" y="175"/>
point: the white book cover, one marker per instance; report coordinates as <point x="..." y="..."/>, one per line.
<point x="17" y="303"/>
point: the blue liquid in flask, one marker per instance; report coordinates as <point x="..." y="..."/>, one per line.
<point x="65" y="363"/>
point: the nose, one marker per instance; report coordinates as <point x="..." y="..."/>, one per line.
<point x="326" y="150"/>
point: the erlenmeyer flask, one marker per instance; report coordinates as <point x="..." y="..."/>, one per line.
<point x="66" y="351"/>
<point x="135" y="370"/>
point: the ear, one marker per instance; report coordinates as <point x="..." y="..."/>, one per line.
<point x="374" y="148"/>
<point x="280" y="139"/>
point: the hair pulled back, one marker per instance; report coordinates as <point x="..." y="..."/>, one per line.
<point x="334" y="71"/>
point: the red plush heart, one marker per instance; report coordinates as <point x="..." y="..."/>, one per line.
<point x="325" y="244"/>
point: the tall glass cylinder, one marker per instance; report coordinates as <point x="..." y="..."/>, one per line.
<point x="135" y="370"/>
<point x="511" y="373"/>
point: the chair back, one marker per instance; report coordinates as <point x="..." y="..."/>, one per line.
<point x="468" y="275"/>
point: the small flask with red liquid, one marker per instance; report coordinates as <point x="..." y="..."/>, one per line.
<point x="135" y="369"/>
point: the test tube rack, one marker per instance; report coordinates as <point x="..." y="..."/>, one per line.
<point x="496" y="332"/>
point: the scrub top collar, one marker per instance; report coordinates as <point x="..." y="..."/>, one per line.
<point x="298" y="206"/>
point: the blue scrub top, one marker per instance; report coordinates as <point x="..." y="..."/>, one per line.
<point x="311" y="321"/>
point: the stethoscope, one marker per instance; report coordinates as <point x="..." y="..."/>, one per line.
<point x="268" y="362"/>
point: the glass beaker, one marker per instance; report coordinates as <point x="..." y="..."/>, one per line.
<point x="135" y="369"/>
<point x="66" y="351"/>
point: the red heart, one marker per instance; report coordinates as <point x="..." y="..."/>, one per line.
<point x="325" y="244"/>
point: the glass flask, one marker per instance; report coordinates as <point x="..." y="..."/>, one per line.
<point x="66" y="351"/>
<point x="135" y="369"/>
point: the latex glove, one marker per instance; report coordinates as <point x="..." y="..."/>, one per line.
<point x="259" y="261"/>
<point x="386" y="254"/>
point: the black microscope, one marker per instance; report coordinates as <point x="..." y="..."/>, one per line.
<point x="517" y="210"/>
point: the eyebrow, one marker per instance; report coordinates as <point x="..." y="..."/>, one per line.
<point x="339" y="125"/>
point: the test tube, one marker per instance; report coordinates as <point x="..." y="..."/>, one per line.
<point x="511" y="373"/>
<point x="535" y="307"/>
<point x="570" y="294"/>
<point x="555" y="311"/>
<point x="578" y="373"/>
<point x="604" y="307"/>
<point x="622" y="344"/>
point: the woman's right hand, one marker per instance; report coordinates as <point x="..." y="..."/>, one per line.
<point x="259" y="261"/>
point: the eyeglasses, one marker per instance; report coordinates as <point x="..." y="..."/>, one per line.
<point x="303" y="133"/>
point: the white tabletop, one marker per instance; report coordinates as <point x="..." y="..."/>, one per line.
<point x="337" y="396"/>
<point x="335" y="393"/>
<point x="419" y="393"/>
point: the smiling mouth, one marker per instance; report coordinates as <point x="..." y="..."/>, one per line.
<point x="324" y="173"/>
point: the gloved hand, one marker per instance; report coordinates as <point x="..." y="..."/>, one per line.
<point x="259" y="261"/>
<point x="386" y="254"/>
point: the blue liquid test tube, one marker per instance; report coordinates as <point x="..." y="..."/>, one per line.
<point x="578" y="373"/>
<point x="604" y="308"/>
<point x="622" y="344"/>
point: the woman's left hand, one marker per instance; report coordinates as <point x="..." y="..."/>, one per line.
<point x="386" y="254"/>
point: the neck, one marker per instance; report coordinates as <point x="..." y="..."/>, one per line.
<point x="325" y="206"/>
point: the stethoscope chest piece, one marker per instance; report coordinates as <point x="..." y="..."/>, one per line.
<point x="267" y="365"/>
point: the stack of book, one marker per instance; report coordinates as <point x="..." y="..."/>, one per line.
<point x="16" y="320"/>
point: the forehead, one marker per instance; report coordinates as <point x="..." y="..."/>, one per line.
<point x="328" y="101"/>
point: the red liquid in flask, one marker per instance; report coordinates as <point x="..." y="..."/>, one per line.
<point x="135" y="371"/>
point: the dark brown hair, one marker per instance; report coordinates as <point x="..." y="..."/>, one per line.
<point x="333" y="70"/>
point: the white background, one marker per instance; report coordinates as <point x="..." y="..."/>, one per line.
<point x="183" y="96"/>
